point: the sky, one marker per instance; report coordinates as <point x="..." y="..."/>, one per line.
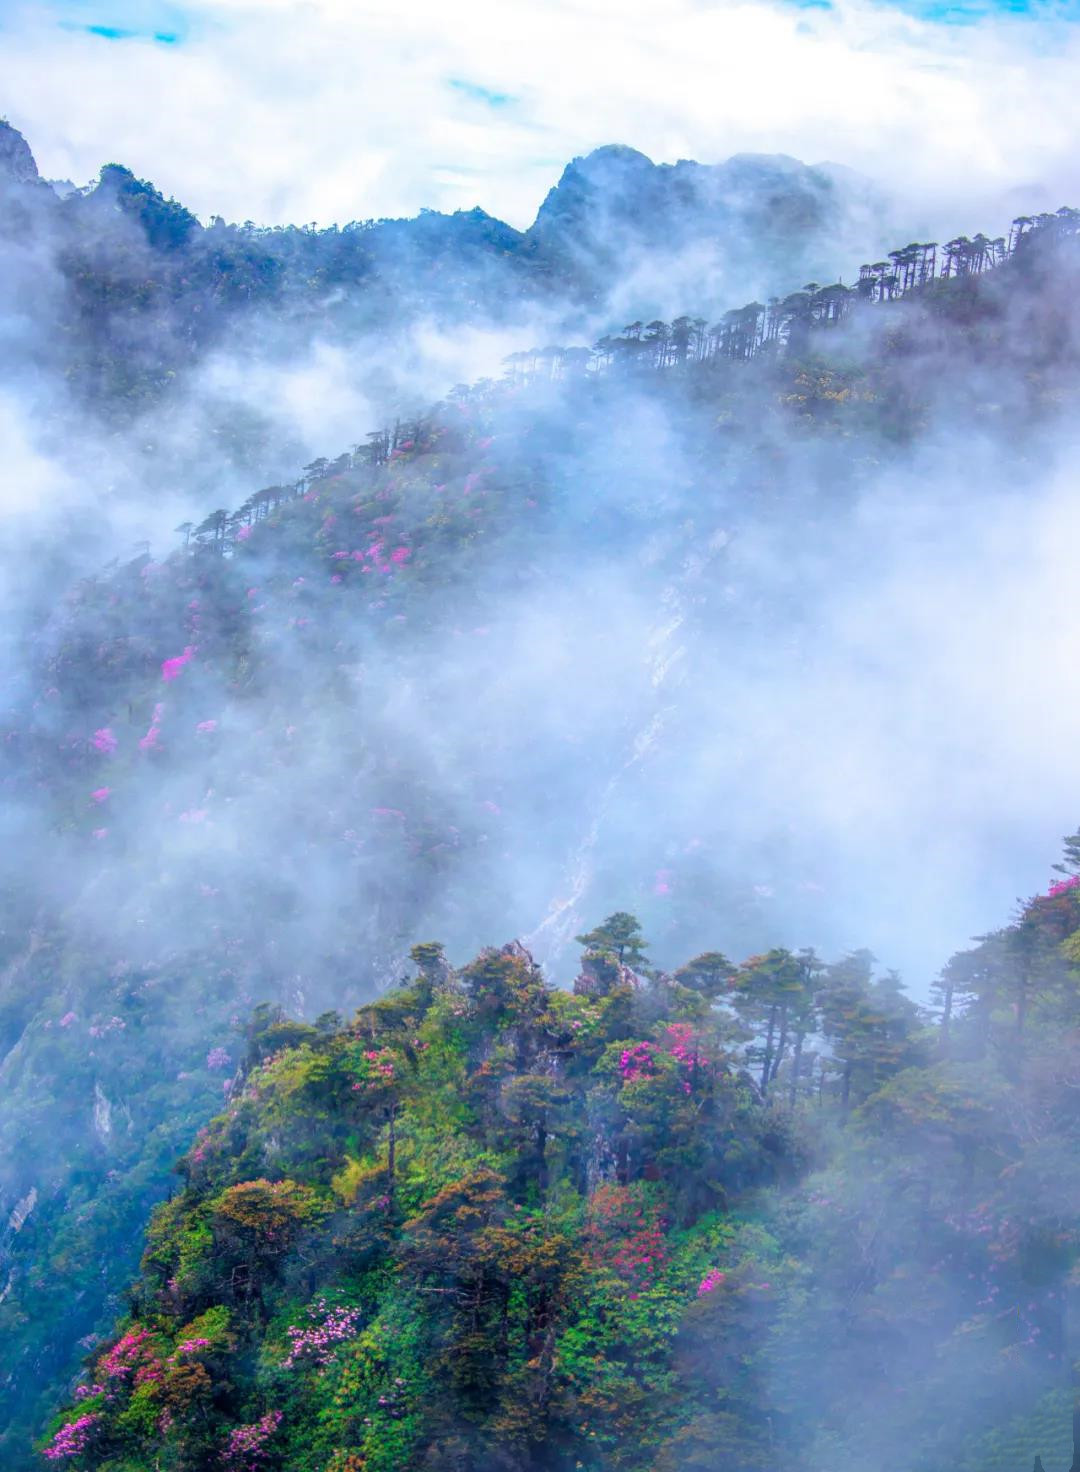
<point x="330" y="110"/>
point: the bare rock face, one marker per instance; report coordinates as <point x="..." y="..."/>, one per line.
<point x="22" y="1209"/>
<point x="17" y="164"/>
<point x="601" y="973"/>
<point x="103" y="1124"/>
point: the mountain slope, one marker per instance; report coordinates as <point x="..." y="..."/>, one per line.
<point x="446" y="682"/>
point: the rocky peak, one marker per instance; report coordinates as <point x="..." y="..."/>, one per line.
<point x="17" y="164"/>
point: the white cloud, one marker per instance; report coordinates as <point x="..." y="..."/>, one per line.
<point x="332" y="109"/>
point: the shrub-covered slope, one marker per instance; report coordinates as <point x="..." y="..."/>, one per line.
<point x="398" y="697"/>
<point x="743" y="1216"/>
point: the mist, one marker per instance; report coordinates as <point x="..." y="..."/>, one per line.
<point x="772" y="658"/>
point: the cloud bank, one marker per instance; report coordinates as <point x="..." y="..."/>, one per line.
<point x="331" y="110"/>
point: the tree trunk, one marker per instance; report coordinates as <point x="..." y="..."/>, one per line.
<point x="946" y="1018"/>
<point x="767" y="1063"/>
<point x="796" y="1060"/>
<point x="1071" y="1319"/>
<point x="781" y="1043"/>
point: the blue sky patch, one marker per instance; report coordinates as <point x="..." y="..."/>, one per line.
<point x="477" y="93"/>
<point x="122" y="33"/>
<point x="964" y="12"/>
<point x="163" y="21"/>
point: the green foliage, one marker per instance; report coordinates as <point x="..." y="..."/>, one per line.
<point x="522" y="1224"/>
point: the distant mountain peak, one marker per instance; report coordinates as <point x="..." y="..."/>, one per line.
<point x="17" y="164"/>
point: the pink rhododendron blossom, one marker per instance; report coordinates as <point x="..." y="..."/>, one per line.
<point x="100" y="794"/>
<point x="67" y="1019"/>
<point x="171" y="669"/>
<point x="712" y="1280"/>
<point x="125" y="1356"/>
<point x="245" y="1450"/>
<point x="335" y="577"/>
<point x="98" y="832"/>
<point x="400" y="554"/>
<point x="72" y="1439"/>
<point x="149" y="742"/>
<point x="243" y="534"/>
<point x="104" y="740"/>
<point x="315" y="1342"/>
<point x="662" y="882"/>
<point x="1063" y="886"/>
<point x="206" y="728"/>
<point x="636" y="1062"/>
<point x="218" y="1058"/>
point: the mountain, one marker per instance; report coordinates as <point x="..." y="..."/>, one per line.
<point x="478" y="671"/>
<point x="17" y="164"/>
<point x="128" y="293"/>
<point x="485" y="1223"/>
<point x="736" y="621"/>
<point x="762" y="219"/>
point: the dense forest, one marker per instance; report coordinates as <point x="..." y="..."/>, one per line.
<point x="745" y="1215"/>
<point x="629" y="629"/>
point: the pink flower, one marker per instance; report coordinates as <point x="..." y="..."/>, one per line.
<point x="712" y="1279"/>
<point x="73" y="1438"/>
<point x="100" y="794"/>
<point x="205" y="728"/>
<point x="171" y="669"/>
<point x="104" y="740"/>
<point x="67" y="1019"/>
<point x="400" y="554"/>
<point x="150" y="740"/>
<point x="98" y="832"/>
<point x="243" y="534"/>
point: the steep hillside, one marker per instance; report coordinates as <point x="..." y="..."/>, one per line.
<point x="441" y="685"/>
<point x="753" y="1215"/>
<point x="123" y="292"/>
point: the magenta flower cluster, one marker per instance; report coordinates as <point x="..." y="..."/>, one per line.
<point x="380" y="1067"/>
<point x="712" y="1279"/>
<point x="100" y="1029"/>
<point x="218" y="1058"/>
<point x="73" y="1438"/>
<point x="680" y="1040"/>
<point x="1063" y="886"/>
<point x="171" y="668"/>
<point x="246" y="1447"/>
<point x="636" y="1062"/>
<point x="329" y="1327"/>
<point x="191" y="1346"/>
<point x="125" y="1354"/>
